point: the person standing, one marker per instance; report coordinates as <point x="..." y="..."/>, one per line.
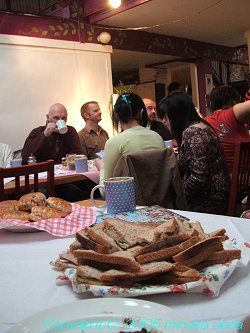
<point x="92" y="137"/>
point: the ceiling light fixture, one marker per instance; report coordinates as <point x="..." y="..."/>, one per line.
<point x="104" y="37"/>
<point x="115" y="3"/>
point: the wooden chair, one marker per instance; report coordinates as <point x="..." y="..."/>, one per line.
<point x="27" y="184"/>
<point x="240" y="185"/>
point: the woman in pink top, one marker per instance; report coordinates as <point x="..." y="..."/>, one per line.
<point x="229" y="119"/>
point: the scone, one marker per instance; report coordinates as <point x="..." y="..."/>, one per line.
<point x="42" y="213"/>
<point x="8" y="206"/>
<point x="62" y="205"/>
<point x="17" y="215"/>
<point x="27" y="201"/>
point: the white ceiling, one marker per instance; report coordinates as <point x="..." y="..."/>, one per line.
<point x="222" y="22"/>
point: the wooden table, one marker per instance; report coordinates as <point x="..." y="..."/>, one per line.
<point x="88" y="202"/>
<point x="10" y="187"/>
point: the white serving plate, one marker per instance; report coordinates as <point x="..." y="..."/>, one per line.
<point x="105" y="315"/>
<point x="22" y="228"/>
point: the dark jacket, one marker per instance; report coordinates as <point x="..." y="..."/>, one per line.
<point x="159" y="128"/>
<point x="52" y="147"/>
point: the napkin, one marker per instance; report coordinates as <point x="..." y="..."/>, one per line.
<point x="62" y="227"/>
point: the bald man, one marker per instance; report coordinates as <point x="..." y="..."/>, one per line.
<point x="45" y="143"/>
<point x="154" y="122"/>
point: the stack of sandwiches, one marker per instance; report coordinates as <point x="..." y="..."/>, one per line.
<point x="116" y="252"/>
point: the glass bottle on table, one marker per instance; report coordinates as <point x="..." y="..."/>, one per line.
<point x="71" y="161"/>
<point x="31" y="159"/>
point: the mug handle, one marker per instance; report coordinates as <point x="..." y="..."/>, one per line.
<point x="92" y="196"/>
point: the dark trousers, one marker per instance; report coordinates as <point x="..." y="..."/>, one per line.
<point x="76" y="191"/>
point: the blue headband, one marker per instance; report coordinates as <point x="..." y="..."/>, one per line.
<point x="125" y="99"/>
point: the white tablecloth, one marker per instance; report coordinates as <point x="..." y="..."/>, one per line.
<point x="28" y="282"/>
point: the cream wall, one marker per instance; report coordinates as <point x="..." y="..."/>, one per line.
<point x="36" y="73"/>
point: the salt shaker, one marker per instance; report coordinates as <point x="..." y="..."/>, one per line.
<point x="31" y="159"/>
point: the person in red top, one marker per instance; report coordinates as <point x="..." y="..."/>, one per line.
<point x="247" y="95"/>
<point x="229" y="119"/>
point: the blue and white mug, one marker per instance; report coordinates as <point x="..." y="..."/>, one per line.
<point x="16" y="162"/>
<point x="119" y="195"/>
<point x="81" y="164"/>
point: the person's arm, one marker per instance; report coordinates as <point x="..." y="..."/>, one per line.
<point x="9" y="157"/>
<point x="111" y="157"/>
<point x="99" y="163"/>
<point x="33" y="143"/>
<point x="84" y="146"/>
<point x="83" y="137"/>
<point x="199" y="173"/>
<point x="6" y="155"/>
<point x="242" y="112"/>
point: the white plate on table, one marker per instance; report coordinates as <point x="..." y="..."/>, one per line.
<point x="105" y="315"/>
<point x="22" y="228"/>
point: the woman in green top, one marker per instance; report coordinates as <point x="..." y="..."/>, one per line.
<point x="129" y="119"/>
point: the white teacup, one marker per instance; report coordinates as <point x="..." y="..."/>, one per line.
<point x="61" y="126"/>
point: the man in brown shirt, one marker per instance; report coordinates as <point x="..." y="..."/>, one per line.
<point x="92" y="136"/>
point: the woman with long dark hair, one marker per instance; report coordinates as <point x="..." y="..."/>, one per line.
<point x="200" y="159"/>
<point x="129" y="119"/>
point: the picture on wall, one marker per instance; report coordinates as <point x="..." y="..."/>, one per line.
<point x="209" y="83"/>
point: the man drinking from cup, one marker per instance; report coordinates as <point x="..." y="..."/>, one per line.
<point x="54" y="141"/>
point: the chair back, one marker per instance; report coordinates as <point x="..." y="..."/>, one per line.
<point x="240" y="185"/>
<point x="25" y="182"/>
<point x="157" y="178"/>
